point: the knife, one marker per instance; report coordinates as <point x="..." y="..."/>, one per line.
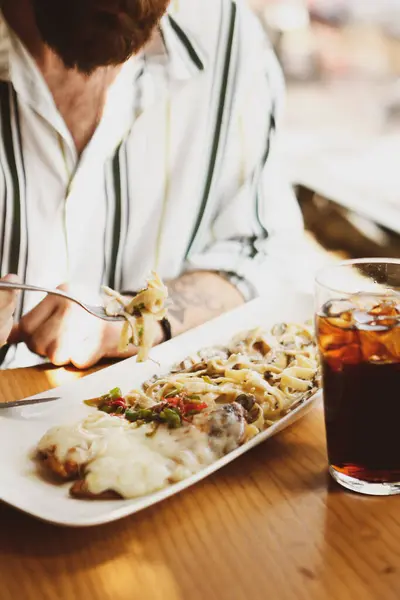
<point x="27" y="402"/>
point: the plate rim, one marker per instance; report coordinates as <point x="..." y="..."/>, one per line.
<point x="125" y="507"/>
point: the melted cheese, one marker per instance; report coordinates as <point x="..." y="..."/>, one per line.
<point x="120" y="456"/>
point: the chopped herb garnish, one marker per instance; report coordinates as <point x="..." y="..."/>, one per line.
<point x="171" y="411"/>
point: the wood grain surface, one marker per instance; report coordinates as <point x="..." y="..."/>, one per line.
<point x="271" y="525"/>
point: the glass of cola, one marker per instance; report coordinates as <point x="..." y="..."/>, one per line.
<point x="358" y="334"/>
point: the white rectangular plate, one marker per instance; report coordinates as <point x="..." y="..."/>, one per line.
<point x="21" y="428"/>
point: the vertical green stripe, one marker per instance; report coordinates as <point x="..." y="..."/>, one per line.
<point x="22" y="183"/>
<point x="181" y="35"/>
<point x="7" y="93"/>
<point x="4" y="94"/>
<point x="10" y="157"/>
<point x="124" y="210"/>
<point x="218" y="126"/>
<point x="3" y="228"/>
<point x="116" y="171"/>
<point x="104" y="279"/>
<point x="127" y="198"/>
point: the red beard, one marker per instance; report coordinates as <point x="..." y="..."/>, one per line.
<point x="87" y="34"/>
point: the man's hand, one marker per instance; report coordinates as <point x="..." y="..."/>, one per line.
<point x="8" y="301"/>
<point x="64" y="333"/>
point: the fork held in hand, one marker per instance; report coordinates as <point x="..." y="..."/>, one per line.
<point x="96" y="311"/>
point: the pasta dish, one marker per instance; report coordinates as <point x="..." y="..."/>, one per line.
<point x="176" y="424"/>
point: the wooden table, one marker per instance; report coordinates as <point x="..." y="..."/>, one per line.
<point x="272" y="525"/>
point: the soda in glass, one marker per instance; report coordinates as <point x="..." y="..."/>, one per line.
<point x="358" y="334"/>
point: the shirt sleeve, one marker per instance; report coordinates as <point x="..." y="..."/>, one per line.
<point x="256" y="223"/>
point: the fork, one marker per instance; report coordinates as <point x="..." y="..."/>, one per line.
<point x="96" y="311"/>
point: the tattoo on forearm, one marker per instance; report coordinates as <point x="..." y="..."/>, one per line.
<point x="189" y="292"/>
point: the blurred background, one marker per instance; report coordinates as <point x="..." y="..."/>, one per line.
<point x="341" y="138"/>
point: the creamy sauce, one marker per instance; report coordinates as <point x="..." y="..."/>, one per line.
<point x="120" y="456"/>
<point x="81" y="441"/>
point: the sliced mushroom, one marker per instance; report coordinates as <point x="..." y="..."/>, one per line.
<point x="254" y="414"/>
<point x="246" y="400"/>
<point x="262" y="346"/>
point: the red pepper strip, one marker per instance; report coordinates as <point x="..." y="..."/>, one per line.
<point x="175" y="400"/>
<point x="196" y="406"/>
<point x="186" y="407"/>
<point x="118" y="402"/>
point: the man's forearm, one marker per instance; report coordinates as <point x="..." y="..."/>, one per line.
<point x="199" y="296"/>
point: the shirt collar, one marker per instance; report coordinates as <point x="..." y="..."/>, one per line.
<point x="173" y="48"/>
<point x="179" y="48"/>
<point x="183" y="50"/>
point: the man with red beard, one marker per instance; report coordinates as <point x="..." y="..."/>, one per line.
<point x="136" y="135"/>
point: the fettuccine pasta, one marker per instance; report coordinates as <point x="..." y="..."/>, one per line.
<point x="141" y="313"/>
<point x="270" y="372"/>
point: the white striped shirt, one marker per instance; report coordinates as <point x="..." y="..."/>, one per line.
<point x="179" y="174"/>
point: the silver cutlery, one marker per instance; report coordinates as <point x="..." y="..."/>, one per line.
<point x="96" y="311"/>
<point x="27" y="402"/>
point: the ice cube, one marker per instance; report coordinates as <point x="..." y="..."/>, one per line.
<point x="391" y="340"/>
<point x="339" y="308"/>
<point x="331" y="334"/>
<point x="362" y="317"/>
<point x="345" y="355"/>
<point x="380" y="344"/>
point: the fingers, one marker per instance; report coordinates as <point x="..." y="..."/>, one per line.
<point x="12" y="279"/>
<point x="100" y="340"/>
<point x="40" y="327"/>
<point x="58" y="353"/>
<point x="65" y="334"/>
<point x="33" y="320"/>
<point x="84" y="359"/>
<point x="5" y="329"/>
<point x="8" y="301"/>
<point x="15" y="336"/>
<point x="40" y="340"/>
<point x="8" y="298"/>
<point x="80" y="340"/>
